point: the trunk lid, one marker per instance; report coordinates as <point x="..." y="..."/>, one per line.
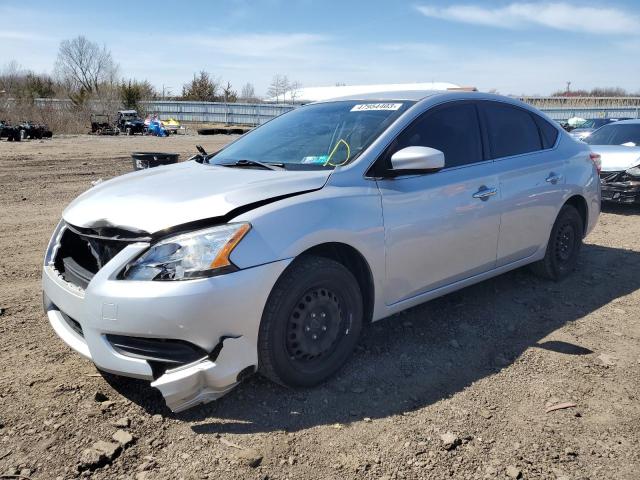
<point x="616" y="158"/>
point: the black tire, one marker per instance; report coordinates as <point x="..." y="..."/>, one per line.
<point x="563" y="247"/>
<point x="311" y="322"/>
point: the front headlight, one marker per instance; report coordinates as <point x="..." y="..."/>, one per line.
<point x="198" y="254"/>
<point x="633" y="171"/>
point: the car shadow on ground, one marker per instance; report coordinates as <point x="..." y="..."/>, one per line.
<point x="423" y="355"/>
<point x="620" y="208"/>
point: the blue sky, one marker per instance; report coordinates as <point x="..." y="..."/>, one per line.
<point x="514" y="47"/>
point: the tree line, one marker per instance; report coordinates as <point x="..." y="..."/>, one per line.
<point x="86" y="71"/>
<point x="596" y="92"/>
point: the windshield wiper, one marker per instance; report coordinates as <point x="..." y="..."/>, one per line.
<point x="254" y="163"/>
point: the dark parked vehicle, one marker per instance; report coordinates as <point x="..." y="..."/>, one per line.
<point x="11" y="132"/>
<point x="129" y="122"/>
<point x="101" y="125"/>
<point x="35" y="131"/>
<point x="142" y="160"/>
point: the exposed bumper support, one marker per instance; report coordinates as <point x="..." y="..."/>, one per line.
<point x="207" y="380"/>
<point x="621" y="192"/>
<point x="619" y="187"/>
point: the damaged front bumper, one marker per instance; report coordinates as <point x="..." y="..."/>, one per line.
<point x="218" y="317"/>
<point x="620" y="187"/>
<point x="206" y="380"/>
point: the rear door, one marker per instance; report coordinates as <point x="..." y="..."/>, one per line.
<point x="440" y="227"/>
<point x="531" y="177"/>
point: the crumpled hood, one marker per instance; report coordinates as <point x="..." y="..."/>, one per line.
<point x="157" y="198"/>
<point x="616" y="158"/>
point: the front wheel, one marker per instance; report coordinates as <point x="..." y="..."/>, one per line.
<point x="563" y="247"/>
<point x="311" y="322"/>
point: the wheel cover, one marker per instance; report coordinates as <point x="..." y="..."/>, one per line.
<point x="564" y="244"/>
<point x="315" y="325"/>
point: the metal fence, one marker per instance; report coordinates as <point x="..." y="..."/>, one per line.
<point x="216" y="112"/>
<point x="588" y="113"/>
<point x="257" y="114"/>
<point x="558" y="108"/>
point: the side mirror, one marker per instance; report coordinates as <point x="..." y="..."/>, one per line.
<point x="417" y="159"/>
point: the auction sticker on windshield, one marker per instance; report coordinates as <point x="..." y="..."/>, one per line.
<point x="365" y="107"/>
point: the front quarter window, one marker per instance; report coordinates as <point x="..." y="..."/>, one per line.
<point x="323" y="135"/>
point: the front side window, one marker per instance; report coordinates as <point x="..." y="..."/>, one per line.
<point x="616" y="134"/>
<point x="511" y="130"/>
<point x="452" y="129"/>
<point x="323" y="135"/>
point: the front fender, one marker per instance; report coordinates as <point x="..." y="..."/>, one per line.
<point x="282" y="230"/>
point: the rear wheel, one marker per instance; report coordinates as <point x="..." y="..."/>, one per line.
<point x="311" y="322"/>
<point x="563" y="247"/>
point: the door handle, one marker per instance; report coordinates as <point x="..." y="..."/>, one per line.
<point x="553" y="178"/>
<point x="484" y="193"/>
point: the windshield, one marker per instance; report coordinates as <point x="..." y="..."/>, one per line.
<point x="323" y="135"/>
<point x="595" y="123"/>
<point x="615" y="134"/>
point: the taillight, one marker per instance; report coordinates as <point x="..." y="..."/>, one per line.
<point x="597" y="161"/>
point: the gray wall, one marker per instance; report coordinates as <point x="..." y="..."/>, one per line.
<point x="558" y="108"/>
<point x="214" y="112"/>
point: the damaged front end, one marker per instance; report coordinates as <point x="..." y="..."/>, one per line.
<point x="207" y="379"/>
<point x="621" y="186"/>
<point x="185" y="374"/>
<point x="194" y="340"/>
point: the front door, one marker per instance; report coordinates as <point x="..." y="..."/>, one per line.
<point x="440" y="227"/>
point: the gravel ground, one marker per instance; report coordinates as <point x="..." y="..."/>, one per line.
<point x="458" y="387"/>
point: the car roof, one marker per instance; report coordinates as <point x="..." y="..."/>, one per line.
<point x="635" y="121"/>
<point x="436" y="95"/>
<point x="413" y="95"/>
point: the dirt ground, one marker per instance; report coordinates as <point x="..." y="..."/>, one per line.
<point x="456" y="388"/>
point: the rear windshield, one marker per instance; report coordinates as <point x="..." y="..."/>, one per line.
<point x="323" y="135"/>
<point x="616" y="134"/>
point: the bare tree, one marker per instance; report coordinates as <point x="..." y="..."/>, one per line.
<point x="279" y="86"/>
<point x="248" y="93"/>
<point x="10" y="77"/>
<point x="294" y="90"/>
<point x="84" y="67"/>
<point x="24" y="84"/>
<point x="229" y="94"/>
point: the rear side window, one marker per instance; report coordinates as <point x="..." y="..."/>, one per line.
<point x="453" y="129"/>
<point x="511" y="130"/>
<point x="548" y="132"/>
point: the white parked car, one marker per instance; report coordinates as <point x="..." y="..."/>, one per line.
<point x="618" y="145"/>
<point x="271" y="255"/>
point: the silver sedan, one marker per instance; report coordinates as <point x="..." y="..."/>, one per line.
<point x="272" y="254"/>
